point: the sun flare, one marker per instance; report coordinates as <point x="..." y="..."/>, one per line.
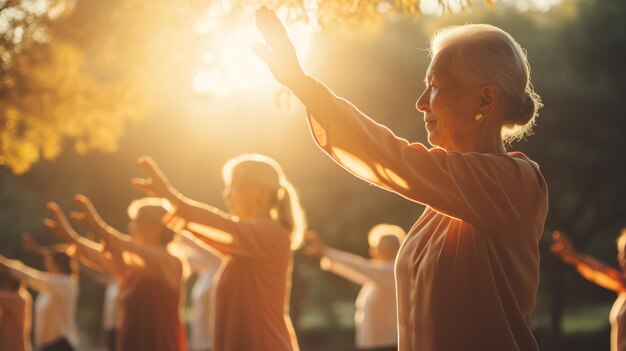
<point x="233" y="66"/>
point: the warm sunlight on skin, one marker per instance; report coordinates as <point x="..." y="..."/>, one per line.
<point x="212" y="233"/>
<point x="234" y="67"/>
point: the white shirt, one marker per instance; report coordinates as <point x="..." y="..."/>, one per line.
<point x="205" y="262"/>
<point x="376" y="316"/>
<point x="55" y="307"/>
<point x="617" y="318"/>
<point x="111" y="316"/>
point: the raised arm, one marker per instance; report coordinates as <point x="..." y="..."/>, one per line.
<point x="589" y="267"/>
<point x="31" y="246"/>
<point x="216" y="228"/>
<point x="155" y="261"/>
<point x="199" y="255"/>
<point x="37" y="279"/>
<point x="347" y="265"/>
<point x="88" y="252"/>
<point x="478" y="188"/>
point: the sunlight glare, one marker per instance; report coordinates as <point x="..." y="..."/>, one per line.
<point x="233" y="66"/>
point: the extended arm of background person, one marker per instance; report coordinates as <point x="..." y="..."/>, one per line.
<point x="478" y="188"/>
<point x="589" y="267"/>
<point x="347" y="265"/>
<point x="154" y="261"/>
<point x="36" y="279"/>
<point x="199" y="255"/>
<point x="88" y="252"/>
<point x="31" y="246"/>
<point x="157" y="184"/>
<point x="216" y="228"/>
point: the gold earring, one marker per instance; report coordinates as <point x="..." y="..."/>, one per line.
<point x="479" y="117"/>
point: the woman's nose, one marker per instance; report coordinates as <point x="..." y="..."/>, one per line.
<point x="423" y="102"/>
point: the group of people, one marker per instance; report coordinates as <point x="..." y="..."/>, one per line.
<point x="464" y="278"/>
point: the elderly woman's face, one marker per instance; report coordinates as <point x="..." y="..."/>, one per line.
<point x="449" y="106"/>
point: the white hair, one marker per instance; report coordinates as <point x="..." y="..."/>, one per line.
<point x="483" y="54"/>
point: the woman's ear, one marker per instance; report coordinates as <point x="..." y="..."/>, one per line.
<point x="489" y="97"/>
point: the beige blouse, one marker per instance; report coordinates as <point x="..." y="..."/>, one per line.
<point x="468" y="271"/>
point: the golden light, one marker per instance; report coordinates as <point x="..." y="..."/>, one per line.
<point x="233" y="66"/>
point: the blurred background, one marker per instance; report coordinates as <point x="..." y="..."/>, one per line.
<point x="88" y="86"/>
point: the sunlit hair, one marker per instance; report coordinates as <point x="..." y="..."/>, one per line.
<point x="154" y="209"/>
<point x="482" y="54"/>
<point x="63" y="261"/>
<point x="262" y="170"/>
<point x="383" y="230"/>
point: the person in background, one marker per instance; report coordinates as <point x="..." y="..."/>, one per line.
<point x="110" y="308"/>
<point x="15" y="313"/>
<point x="55" y="306"/>
<point x="603" y="275"/>
<point x="151" y="278"/>
<point x="376" y="317"/>
<point x="256" y="239"/>
<point x="468" y="272"/>
<point x="205" y="262"/>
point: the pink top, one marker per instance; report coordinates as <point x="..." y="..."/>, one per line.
<point x="149" y="294"/>
<point x="468" y="271"/>
<point x="15" y="320"/>
<point x="253" y="285"/>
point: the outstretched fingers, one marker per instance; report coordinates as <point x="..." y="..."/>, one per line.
<point x="58" y="224"/>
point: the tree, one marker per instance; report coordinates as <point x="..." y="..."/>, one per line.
<point x="76" y="72"/>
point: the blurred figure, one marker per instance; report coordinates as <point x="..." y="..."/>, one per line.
<point x="151" y="279"/>
<point x="376" y="317"/>
<point x="110" y="313"/>
<point x="603" y="275"/>
<point x="55" y="306"/>
<point x="467" y="274"/>
<point x="205" y="263"/>
<point x="256" y="238"/>
<point x="15" y="313"/>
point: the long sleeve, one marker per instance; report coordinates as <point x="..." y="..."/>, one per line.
<point x="93" y="256"/>
<point x="38" y="280"/>
<point x="156" y="262"/>
<point x="258" y="238"/>
<point x="357" y="269"/>
<point x="478" y="188"/>
<point x="199" y="255"/>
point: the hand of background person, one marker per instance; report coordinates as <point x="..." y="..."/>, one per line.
<point x="87" y="217"/>
<point x="278" y="51"/>
<point x="58" y="224"/>
<point x="156" y="183"/>
<point x="313" y="244"/>
<point x="30" y="245"/>
<point x="563" y="248"/>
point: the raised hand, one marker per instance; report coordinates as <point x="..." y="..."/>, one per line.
<point x="314" y="246"/>
<point x="29" y="245"/>
<point x="58" y="224"/>
<point x="87" y="217"/>
<point x="563" y="248"/>
<point x="155" y="184"/>
<point x="278" y="52"/>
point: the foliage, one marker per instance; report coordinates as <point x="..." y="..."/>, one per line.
<point x="78" y="71"/>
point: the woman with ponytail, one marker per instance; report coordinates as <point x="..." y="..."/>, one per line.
<point x="264" y="224"/>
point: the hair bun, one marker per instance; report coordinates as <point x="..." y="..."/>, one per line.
<point x="528" y="111"/>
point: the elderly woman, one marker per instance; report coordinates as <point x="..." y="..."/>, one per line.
<point x="375" y="317"/>
<point x="467" y="274"/>
<point x="150" y="277"/>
